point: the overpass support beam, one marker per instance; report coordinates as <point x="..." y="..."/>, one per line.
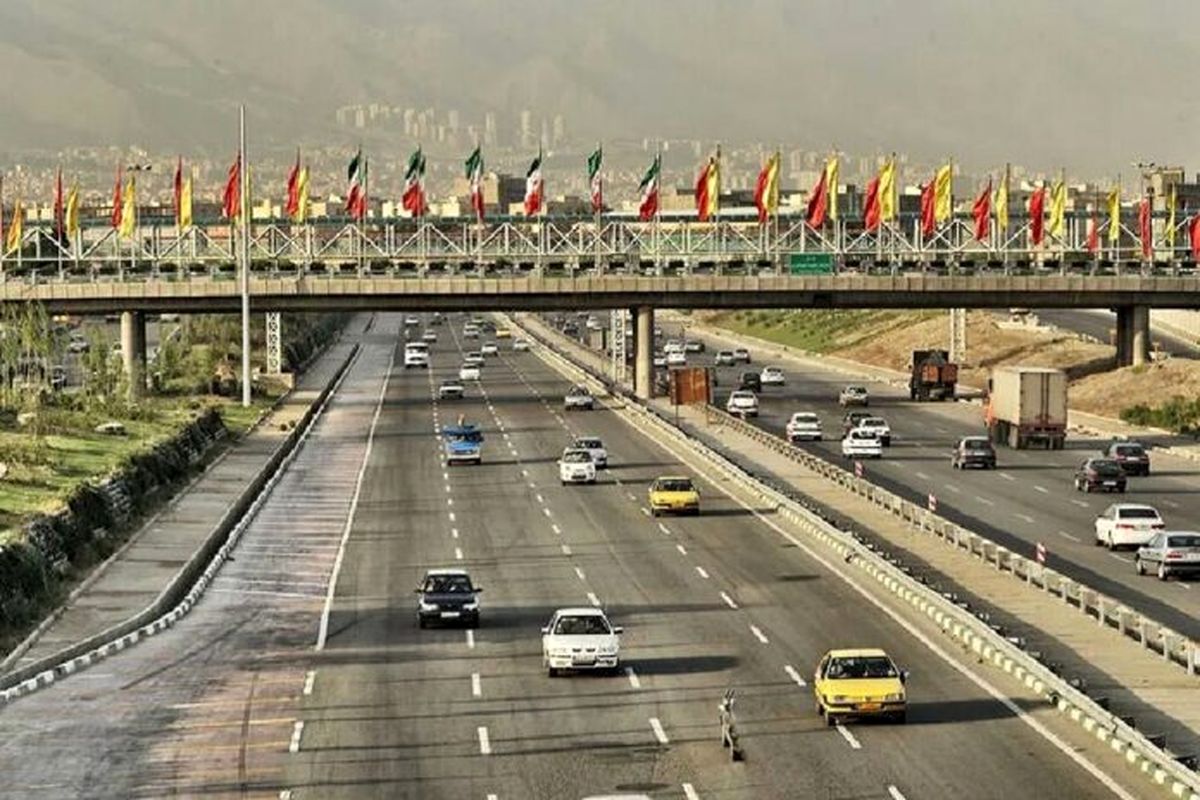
<point x="643" y="368"/>
<point x="1133" y="335"/>
<point x="133" y="351"/>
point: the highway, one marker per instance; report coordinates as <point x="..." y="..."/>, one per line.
<point x="1099" y="323"/>
<point x="1029" y="499"/>
<point x="265" y="690"/>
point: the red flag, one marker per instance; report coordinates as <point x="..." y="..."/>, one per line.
<point x="117" y="203"/>
<point x="702" y="199"/>
<point x="818" y="203"/>
<point x="1093" y="233"/>
<point x="1144" y="232"/>
<point x="982" y="212"/>
<point x="1194" y="236"/>
<point x="871" y="210"/>
<point x="231" y="201"/>
<point x="177" y="185"/>
<point x="928" y="208"/>
<point x="1037" y="210"/>
<point x="292" y="207"/>
<point x="58" y="206"/>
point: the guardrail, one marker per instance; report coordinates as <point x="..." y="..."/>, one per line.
<point x="185" y="589"/>
<point x="975" y="635"/>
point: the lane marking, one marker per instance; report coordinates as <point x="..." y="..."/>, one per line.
<point x="659" y="733"/>
<point x="579" y="574"/>
<point x="893" y="463"/>
<point x="1007" y="477"/>
<point x="922" y="476"/>
<point x="702" y="571"/>
<point x="849" y="737"/>
<point x="1041" y="489"/>
<point x="557" y="530"/>
<point x="546" y="511"/>
<point x="682" y="550"/>
<point x="1072" y="537"/>
<point x="794" y="675"/>
<point x="310" y="678"/>
<point x="984" y="500"/>
<point x="452" y="517"/>
<point x="471" y="639"/>
<point x="458" y="554"/>
<point x="729" y="601"/>
<point x="1080" y="503"/>
<point x="1025" y="517"/>
<point x="633" y="678"/>
<point x="664" y="529"/>
<point x="485" y="744"/>
<point x="449" y="501"/>
<point x="593" y="599"/>
<point x="758" y="634"/>
<point x="1171" y="504"/>
<point x="323" y="627"/>
<point x="895" y="793"/>
<point x="539" y="499"/>
<point x="447" y="488"/>
<point x="297" y="732"/>
<point x="566" y="549"/>
<point x="631" y="496"/>
<point x="1121" y="558"/>
<point x="646" y="511"/>
<point x="476" y="688"/>
<point x="953" y="488"/>
<point x="689" y="792"/>
<point x="454" y="533"/>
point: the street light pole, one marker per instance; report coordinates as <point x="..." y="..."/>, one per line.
<point x="244" y="253"/>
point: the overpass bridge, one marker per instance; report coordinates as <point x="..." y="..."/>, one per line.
<point x="587" y="263"/>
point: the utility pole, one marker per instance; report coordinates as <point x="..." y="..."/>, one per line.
<point x="244" y="253"/>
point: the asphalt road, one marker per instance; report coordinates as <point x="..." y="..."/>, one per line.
<point x="236" y="702"/>
<point x="1029" y="499"/>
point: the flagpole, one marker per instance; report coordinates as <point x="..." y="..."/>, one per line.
<point x="657" y="205"/>
<point x="3" y="233"/>
<point x="244" y="252"/>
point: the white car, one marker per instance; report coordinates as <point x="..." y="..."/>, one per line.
<point x="470" y="331"/>
<point x="724" y="358"/>
<point x="772" y="376"/>
<point x="468" y="372"/>
<point x="804" y="426"/>
<point x="878" y="426"/>
<point x="741" y="355"/>
<point x="416" y="354"/>
<point x="489" y="349"/>
<point x="693" y="346"/>
<point x="742" y="402"/>
<point x="1128" y="525"/>
<point x="520" y="345"/>
<point x="862" y="443"/>
<point x="676" y="358"/>
<point x="578" y="398"/>
<point x="854" y="396"/>
<point x="674" y="346"/>
<point x="411" y="321"/>
<point x="451" y="389"/>
<point x="576" y="466"/>
<point x="595" y="447"/>
<point x="660" y="360"/>
<point x="429" y="336"/>
<point x="473" y="357"/>
<point x="580" y="638"/>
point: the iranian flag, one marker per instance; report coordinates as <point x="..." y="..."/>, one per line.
<point x="356" y="197"/>
<point x="593" y="169"/>
<point x="534" y="186"/>
<point x="414" y="185"/>
<point x="648" y="188"/>
<point x="474" y="170"/>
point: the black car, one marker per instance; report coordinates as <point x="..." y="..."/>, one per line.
<point x="1132" y="457"/>
<point x="1100" y="474"/>
<point x="447" y="596"/>
<point x="973" y="451"/>
<point x="751" y="381"/>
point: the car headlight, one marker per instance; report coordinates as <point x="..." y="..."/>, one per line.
<point x="473" y="606"/>
<point x="609" y="649"/>
<point x="839" y="698"/>
<point x="895" y="697"/>
<point x="427" y="606"/>
<point x="560" y="652"/>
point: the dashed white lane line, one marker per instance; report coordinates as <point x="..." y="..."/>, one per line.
<point x="539" y="499"/>
<point x="566" y="549"/>
<point x="1006" y="476"/>
<point x="985" y="501"/>
<point x="1171" y="504"/>
<point x="297" y="732"/>
<point x="524" y="473"/>
<point x="452" y="517"/>
<point x="1121" y="558"/>
<point x="458" y="554"/>
<point x="922" y="476"/>
<point x="593" y="599"/>
<point x="485" y="744"/>
<point x="310" y="678"/>
<point x="729" y="601"/>
<point x="953" y="488"/>
<point x="476" y="686"/>
<point x="682" y="550"/>
<point x="645" y="511"/>
<point x="895" y="793"/>
<point x="893" y="463"/>
<point x="794" y="675"/>
<point x="493" y="797"/>
<point x="703" y="573"/>
<point x="532" y="485"/>
<point x="631" y="496"/>
<point x="1080" y="503"/>
<point x="1072" y="537"/>
<point x="557" y="530"/>
<point x="689" y="792"/>
<point x="1024" y="517"/>
<point x="849" y="737"/>
<point x="758" y="634"/>
<point x="471" y="639"/>
<point x="1041" y="489"/>
<point x="449" y="501"/>
<point x="633" y="678"/>
<point x="447" y="488"/>
<point x="454" y="533"/>
<point x="546" y="511"/>
<point x="659" y="733"/>
<point x="579" y="574"/>
<point x="285" y="794"/>
<point x="666" y="531"/>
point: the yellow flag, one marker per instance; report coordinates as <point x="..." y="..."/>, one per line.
<point x="713" y="188"/>
<point x="831" y="181"/>
<point x="185" y="203"/>
<point x="129" y="210"/>
<point x="1058" y="209"/>
<point x="72" y="212"/>
<point x="1114" y="214"/>
<point x="1002" y="202"/>
<point x="12" y="240"/>
<point x="943" y="194"/>
<point x="887" y="191"/>
<point x="302" y="195"/>
<point x="1171" y="201"/>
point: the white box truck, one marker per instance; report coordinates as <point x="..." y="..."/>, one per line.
<point x="1027" y="406"/>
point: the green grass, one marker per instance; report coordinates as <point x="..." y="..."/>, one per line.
<point x="817" y="330"/>
<point x="41" y="476"/>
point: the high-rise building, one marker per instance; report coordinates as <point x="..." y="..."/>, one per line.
<point x="360" y="117"/>
<point x="560" y="129"/>
<point x="526" y="127"/>
<point x="410" y="120"/>
<point x="489" y="128"/>
<point x="452" y="119"/>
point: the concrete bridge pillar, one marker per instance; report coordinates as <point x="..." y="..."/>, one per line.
<point x="133" y="351"/>
<point x="1133" y="335"/>
<point x="643" y="368"/>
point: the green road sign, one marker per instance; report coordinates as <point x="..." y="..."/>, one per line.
<point x="810" y="263"/>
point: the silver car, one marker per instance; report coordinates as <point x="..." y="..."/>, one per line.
<point x="1169" y="553"/>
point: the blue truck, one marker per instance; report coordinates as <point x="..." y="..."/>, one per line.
<point x="463" y="444"/>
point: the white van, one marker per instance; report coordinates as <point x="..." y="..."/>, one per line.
<point x="416" y="354"/>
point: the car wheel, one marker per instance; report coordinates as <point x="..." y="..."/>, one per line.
<point x="900" y="717"/>
<point x="830" y="719"/>
<point x="1098" y="540"/>
<point x="551" y="672"/>
<point x="1162" y="571"/>
<point x="1139" y="567"/>
<point x="421" y="623"/>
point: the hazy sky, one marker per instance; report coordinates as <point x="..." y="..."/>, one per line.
<point x="1087" y="84"/>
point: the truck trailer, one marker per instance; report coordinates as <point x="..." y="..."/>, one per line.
<point x="1027" y="406"/>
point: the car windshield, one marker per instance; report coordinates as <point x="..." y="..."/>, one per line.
<point x="1183" y="541"/>
<point x="863" y="434"/>
<point x="1107" y="468"/>
<point x="1129" y="450"/>
<point x="855" y="390"/>
<point x="576" y="457"/>
<point x="581" y="626"/>
<point x="874" y="422"/>
<point x="742" y="396"/>
<point x="1137" y="513"/>
<point x="976" y="444"/>
<point x="855" y="667"/>
<point x="465" y="436"/>
<point x="675" y="485"/>
<point x="590" y="444"/>
<point x="578" y="391"/>
<point x="448" y="584"/>
<point x="800" y="418"/>
<point x="451" y="385"/>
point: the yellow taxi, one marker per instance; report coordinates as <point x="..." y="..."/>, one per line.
<point x="859" y="683"/>
<point x="672" y="493"/>
<point x="503" y="333"/>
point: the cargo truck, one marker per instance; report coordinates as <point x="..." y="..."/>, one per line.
<point x="1027" y="406"/>
<point x="933" y="377"/>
